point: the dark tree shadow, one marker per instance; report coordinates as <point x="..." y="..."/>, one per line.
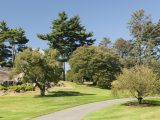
<point x="1" y="117"/>
<point x="64" y="94"/>
<point x="145" y="103"/>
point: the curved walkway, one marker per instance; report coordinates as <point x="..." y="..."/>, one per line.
<point x="78" y="112"/>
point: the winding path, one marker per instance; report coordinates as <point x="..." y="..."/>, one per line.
<point x="78" y="112"/>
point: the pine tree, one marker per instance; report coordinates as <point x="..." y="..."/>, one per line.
<point x="67" y="35"/>
<point x="137" y="25"/>
<point x="12" y="41"/>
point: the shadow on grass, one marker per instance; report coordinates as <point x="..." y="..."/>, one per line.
<point x="1" y="117"/>
<point x="64" y="94"/>
<point x="145" y="103"/>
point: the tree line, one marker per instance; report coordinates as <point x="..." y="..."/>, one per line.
<point x="69" y="41"/>
<point x="125" y="65"/>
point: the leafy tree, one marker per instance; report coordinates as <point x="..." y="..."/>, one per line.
<point x="4" y="54"/>
<point x="80" y="64"/>
<point x="3" y="47"/>
<point x="136" y="25"/>
<point x="140" y="81"/>
<point x="151" y="41"/>
<point x="97" y="64"/>
<point x="137" y="22"/>
<point x="67" y="35"/>
<point x="155" y="66"/>
<point x="17" y="40"/>
<point x="105" y="42"/>
<point x="122" y="47"/>
<point x="14" y="40"/>
<point x="38" y="68"/>
<point x="146" y="38"/>
<point x="106" y="65"/>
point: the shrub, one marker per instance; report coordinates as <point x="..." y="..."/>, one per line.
<point x="140" y="81"/>
<point x="3" y="88"/>
<point x="19" y="88"/>
<point x="29" y="88"/>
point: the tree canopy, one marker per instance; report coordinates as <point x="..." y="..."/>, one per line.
<point x="97" y="64"/>
<point x="12" y="40"/>
<point x="41" y="69"/>
<point x="140" y="81"/>
<point x="67" y="34"/>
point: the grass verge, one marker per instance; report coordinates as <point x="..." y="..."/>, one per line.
<point x="124" y="112"/>
<point x="27" y="107"/>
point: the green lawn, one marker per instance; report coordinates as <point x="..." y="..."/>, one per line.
<point x="122" y="112"/>
<point x="26" y="107"/>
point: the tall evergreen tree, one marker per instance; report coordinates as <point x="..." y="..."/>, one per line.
<point x="137" y="25"/>
<point x="4" y="52"/>
<point x="67" y="35"/>
<point x="17" y="40"/>
<point x="13" y="40"/>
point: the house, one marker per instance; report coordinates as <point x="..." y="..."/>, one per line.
<point x="4" y="78"/>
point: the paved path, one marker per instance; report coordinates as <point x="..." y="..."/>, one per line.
<point x="78" y="112"/>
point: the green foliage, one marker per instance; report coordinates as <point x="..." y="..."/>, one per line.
<point x="105" y="42"/>
<point x="122" y="47"/>
<point x="146" y="38"/>
<point x="19" y="88"/>
<point x="144" y="47"/>
<point x="137" y="25"/>
<point x="25" y="106"/>
<point x="3" y="88"/>
<point x="137" y="22"/>
<point x="3" y="50"/>
<point x="12" y="41"/>
<point x="39" y="68"/>
<point x="69" y="76"/>
<point x="140" y="81"/>
<point x="79" y="63"/>
<point x="29" y="88"/>
<point x="2" y="56"/>
<point x="97" y="64"/>
<point x="67" y="34"/>
<point x="155" y="66"/>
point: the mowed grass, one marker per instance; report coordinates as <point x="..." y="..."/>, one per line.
<point x="122" y="112"/>
<point x="27" y="107"/>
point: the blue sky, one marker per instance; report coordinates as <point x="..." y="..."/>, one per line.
<point x="106" y="18"/>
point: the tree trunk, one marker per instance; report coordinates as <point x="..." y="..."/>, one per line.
<point x="140" y="100"/>
<point x="64" y="77"/>
<point x="13" y="54"/>
<point x="42" y="91"/>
